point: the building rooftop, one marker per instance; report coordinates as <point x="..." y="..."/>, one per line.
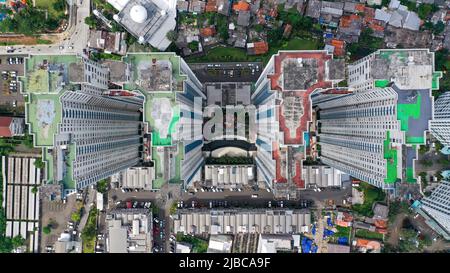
<point x="149" y="21"/>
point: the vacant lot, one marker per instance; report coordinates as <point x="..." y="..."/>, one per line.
<point x="371" y="195"/>
<point x="231" y="54"/>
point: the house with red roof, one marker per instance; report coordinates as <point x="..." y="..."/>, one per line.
<point x="11" y="126"/>
<point x="241" y="6"/>
<point x="257" y="48"/>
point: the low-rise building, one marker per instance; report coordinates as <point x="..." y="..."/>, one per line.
<point x="183" y="248"/>
<point x="229" y="176"/>
<point x="137" y="178"/>
<point x="21" y="181"/>
<point x="220" y="243"/>
<point x="109" y="42"/>
<point x="129" y="231"/>
<point x="335" y="248"/>
<point x="11" y="126"/>
<point x="66" y="244"/>
<point x="257" y="48"/>
<point x="323" y="176"/>
<point x="276" y="243"/>
<point x="270" y="221"/>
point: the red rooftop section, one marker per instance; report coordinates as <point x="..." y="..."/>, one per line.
<point x="5" y="123"/>
<point x="296" y="75"/>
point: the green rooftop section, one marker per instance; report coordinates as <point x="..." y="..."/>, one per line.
<point x="136" y="60"/>
<point x="387" y="54"/>
<point x="47" y="73"/>
<point x="68" y="181"/>
<point x="152" y="101"/>
<point x="47" y="157"/>
<point x="390" y="155"/>
<point x="156" y="138"/>
<point x="43" y="115"/>
<point x="415" y="140"/>
<point x="435" y="81"/>
<point x="381" y="83"/>
<point x="405" y="111"/>
<point x="410" y="175"/>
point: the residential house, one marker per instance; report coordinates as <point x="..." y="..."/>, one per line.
<point x="350" y="7"/>
<point x="207" y="32"/>
<point x="313" y="9"/>
<point x="197" y="6"/>
<point x="241" y="6"/>
<point x="339" y="47"/>
<point x="257" y="48"/>
<point x="183" y="6"/>
<point x="333" y="8"/>
<point x="243" y="18"/>
<point x="223" y="7"/>
<point x="211" y="6"/>
<point x="406" y="38"/>
<point x="109" y="42"/>
<point x="11" y="126"/>
<point x="350" y="28"/>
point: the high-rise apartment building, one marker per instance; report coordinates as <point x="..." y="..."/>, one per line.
<point x="437" y="206"/>
<point x="440" y="126"/>
<point x="282" y="98"/>
<point x="373" y="133"/>
<point x="86" y="136"/>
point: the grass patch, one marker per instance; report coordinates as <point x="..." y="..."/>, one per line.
<point x="342" y="232"/>
<point x="198" y="245"/>
<point x="43" y="41"/>
<point x="49" y="6"/>
<point x="105" y="56"/>
<point x="366" y="234"/>
<point x="90" y="232"/>
<point x="371" y="195"/>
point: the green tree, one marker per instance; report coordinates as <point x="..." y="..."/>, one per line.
<point x="75" y="216"/>
<point x="439" y="27"/>
<point x="39" y="164"/>
<point x="17" y="241"/>
<point x="34" y="190"/>
<point x="425" y="10"/>
<point x="172" y="36"/>
<point x="91" y="21"/>
<point x="102" y="185"/>
<point x="60" y="5"/>
<point x="47" y="229"/>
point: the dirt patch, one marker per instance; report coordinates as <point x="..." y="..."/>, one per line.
<point x="21" y="40"/>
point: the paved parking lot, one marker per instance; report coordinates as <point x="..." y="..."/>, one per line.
<point x="9" y="76"/>
<point x="227" y="72"/>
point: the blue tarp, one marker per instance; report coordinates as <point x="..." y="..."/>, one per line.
<point x="313" y="230"/>
<point x="343" y="241"/>
<point x="327" y="232"/>
<point x="329" y="222"/>
<point x="328" y="35"/>
<point x="314" y="249"/>
<point x="306" y="245"/>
